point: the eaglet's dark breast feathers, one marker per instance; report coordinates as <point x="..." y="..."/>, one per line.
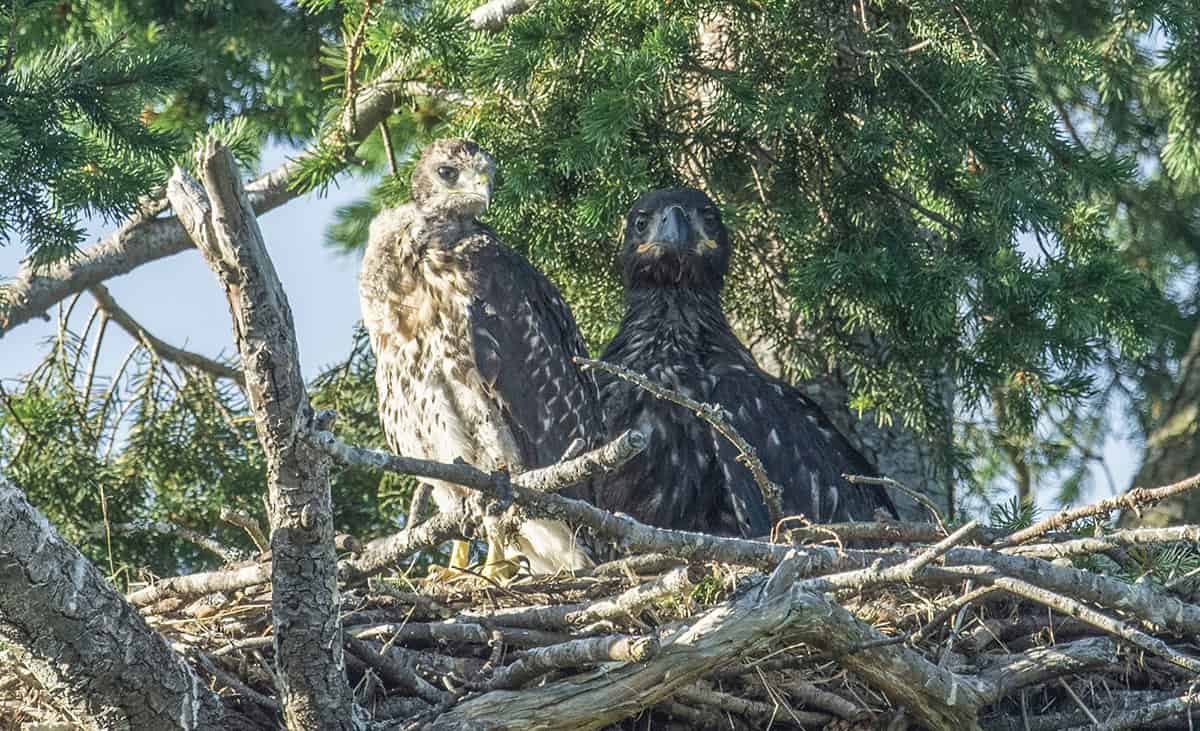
<point x="699" y="483"/>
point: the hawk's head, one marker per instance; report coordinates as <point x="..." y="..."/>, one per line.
<point x="453" y="178"/>
<point x="674" y="238"/>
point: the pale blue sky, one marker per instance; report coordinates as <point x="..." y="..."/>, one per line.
<point x="178" y="300"/>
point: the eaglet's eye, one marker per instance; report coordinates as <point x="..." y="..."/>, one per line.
<point x="640" y="223"/>
<point x="447" y="173"/>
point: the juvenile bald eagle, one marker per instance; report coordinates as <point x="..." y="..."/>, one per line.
<point x="473" y="345"/>
<point x="675" y="256"/>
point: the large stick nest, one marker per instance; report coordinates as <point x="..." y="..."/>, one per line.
<point x="655" y="641"/>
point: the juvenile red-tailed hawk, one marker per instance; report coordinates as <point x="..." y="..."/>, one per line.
<point x="473" y="345"/>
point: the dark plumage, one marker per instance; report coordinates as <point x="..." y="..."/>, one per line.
<point x="674" y="259"/>
<point x="473" y="345"/>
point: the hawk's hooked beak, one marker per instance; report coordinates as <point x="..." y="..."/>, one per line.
<point x="480" y="189"/>
<point x="673" y="230"/>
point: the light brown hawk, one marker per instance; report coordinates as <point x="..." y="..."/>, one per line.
<point x="473" y="345"/>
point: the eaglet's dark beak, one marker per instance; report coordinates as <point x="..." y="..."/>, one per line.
<point x="674" y="231"/>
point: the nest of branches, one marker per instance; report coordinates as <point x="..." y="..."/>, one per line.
<point x="939" y="628"/>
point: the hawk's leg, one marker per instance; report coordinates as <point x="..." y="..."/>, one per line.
<point x="460" y="555"/>
<point x="498" y="567"/>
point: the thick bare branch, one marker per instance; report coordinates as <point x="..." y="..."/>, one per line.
<point x="1009" y="673"/>
<point x="87" y="646"/>
<point x="209" y="582"/>
<point x="459" y="632"/>
<point x="1108" y="542"/>
<point x="597" y="462"/>
<point x="308" y="646"/>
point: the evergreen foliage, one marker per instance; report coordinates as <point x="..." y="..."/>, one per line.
<point x="98" y="99"/>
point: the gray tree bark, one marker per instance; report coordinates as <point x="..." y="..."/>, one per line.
<point x="85" y="644"/>
<point x="305" y="604"/>
<point x="1172" y="449"/>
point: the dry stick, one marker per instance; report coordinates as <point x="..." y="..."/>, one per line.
<point x="1073" y="608"/>
<point x="231" y="681"/>
<point x="628" y="603"/>
<point x="572" y="654"/>
<point x="632" y="536"/>
<point x="643" y="564"/>
<point x="457" y="631"/>
<point x="1079" y="702"/>
<point x="607" y="458"/>
<point x="162" y="348"/>
<point x="248" y="524"/>
<point x="1102" y="544"/>
<point x="378" y="556"/>
<point x="207" y="582"/>
<point x="1132" y="500"/>
<point x="1140" y="717"/>
<point x="1141" y="599"/>
<point x="891" y="531"/>
<point x="949" y="611"/>
<point x="396" y="672"/>
<point x="229" y="555"/>
<point x="896" y="485"/>
<point x="900" y="573"/>
<point x="760" y="713"/>
<point x="712" y="413"/>
<point x="812" y="696"/>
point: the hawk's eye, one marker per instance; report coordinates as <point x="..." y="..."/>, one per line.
<point x="711" y="218"/>
<point x="640" y="223"/>
<point x="448" y="173"/>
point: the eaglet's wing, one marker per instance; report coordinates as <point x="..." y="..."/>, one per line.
<point x="800" y="449"/>
<point x="524" y="338"/>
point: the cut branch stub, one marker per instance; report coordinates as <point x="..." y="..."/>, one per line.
<point x="308" y="642"/>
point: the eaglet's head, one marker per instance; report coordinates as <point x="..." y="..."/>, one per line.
<point x="453" y="178"/>
<point x="674" y="238"/>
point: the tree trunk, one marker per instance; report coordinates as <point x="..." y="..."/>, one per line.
<point x="1172" y="449"/>
<point x="305" y="605"/>
<point x="85" y="644"/>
